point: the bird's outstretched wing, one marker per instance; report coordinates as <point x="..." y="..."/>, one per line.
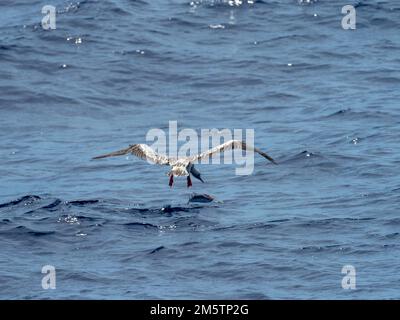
<point x="229" y="145"/>
<point x="142" y="151"/>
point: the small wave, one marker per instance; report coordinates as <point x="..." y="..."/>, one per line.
<point x="330" y="222"/>
<point x="52" y="205"/>
<point x="306" y="2"/>
<point x="182" y="23"/>
<point x="26" y="200"/>
<point x="72" y="7"/>
<point x="384" y="80"/>
<point x="252" y="226"/>
<point x="82" y="202"/>
<point x="168" y="209"/>
<point x="253" y="296"/>
<point x="202" y="198"/>
<point x="392" y="222"/>
<point x="140" y="225"/>
<point x="327" y="248"/>
<point x="80" y="218"/>
<point x="378" y="6"/>
<point x="171" y="209"/>
<point x="392" y="235"/>
<point x="5" y="221"/>
<point x="225" y="3"/>
<point x="22" y="231"/>
<point x="157" y="249"/>
<point x="340" y="112"/>
<point x="350" y="114"/>
<point x="300" y="157"/>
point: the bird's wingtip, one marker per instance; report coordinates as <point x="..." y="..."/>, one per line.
<point x="99" y="157"/>
<point x="271" y="160"/>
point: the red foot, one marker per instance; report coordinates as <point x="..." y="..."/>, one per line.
<point x="171" y="180"/>
<point x="189" y="182"/>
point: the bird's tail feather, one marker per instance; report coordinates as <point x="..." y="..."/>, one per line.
<point x="114" y="154"/>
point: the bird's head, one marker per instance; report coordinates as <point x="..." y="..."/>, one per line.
<point x="195" y="173"/>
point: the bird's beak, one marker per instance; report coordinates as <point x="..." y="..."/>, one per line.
<point x="198" y="176"/>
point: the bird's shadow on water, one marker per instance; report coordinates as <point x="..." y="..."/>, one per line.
<point x="195" y="203"/>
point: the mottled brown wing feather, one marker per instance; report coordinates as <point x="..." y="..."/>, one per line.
<point x="142" y="151"/>
<point x="232" y="144"/>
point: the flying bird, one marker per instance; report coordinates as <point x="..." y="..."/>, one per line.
<point x="182" y="167"/>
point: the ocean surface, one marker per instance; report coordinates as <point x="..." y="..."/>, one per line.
<point x="323" y="101"/>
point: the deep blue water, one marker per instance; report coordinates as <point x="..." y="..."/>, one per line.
<point x="323" y="101"/>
